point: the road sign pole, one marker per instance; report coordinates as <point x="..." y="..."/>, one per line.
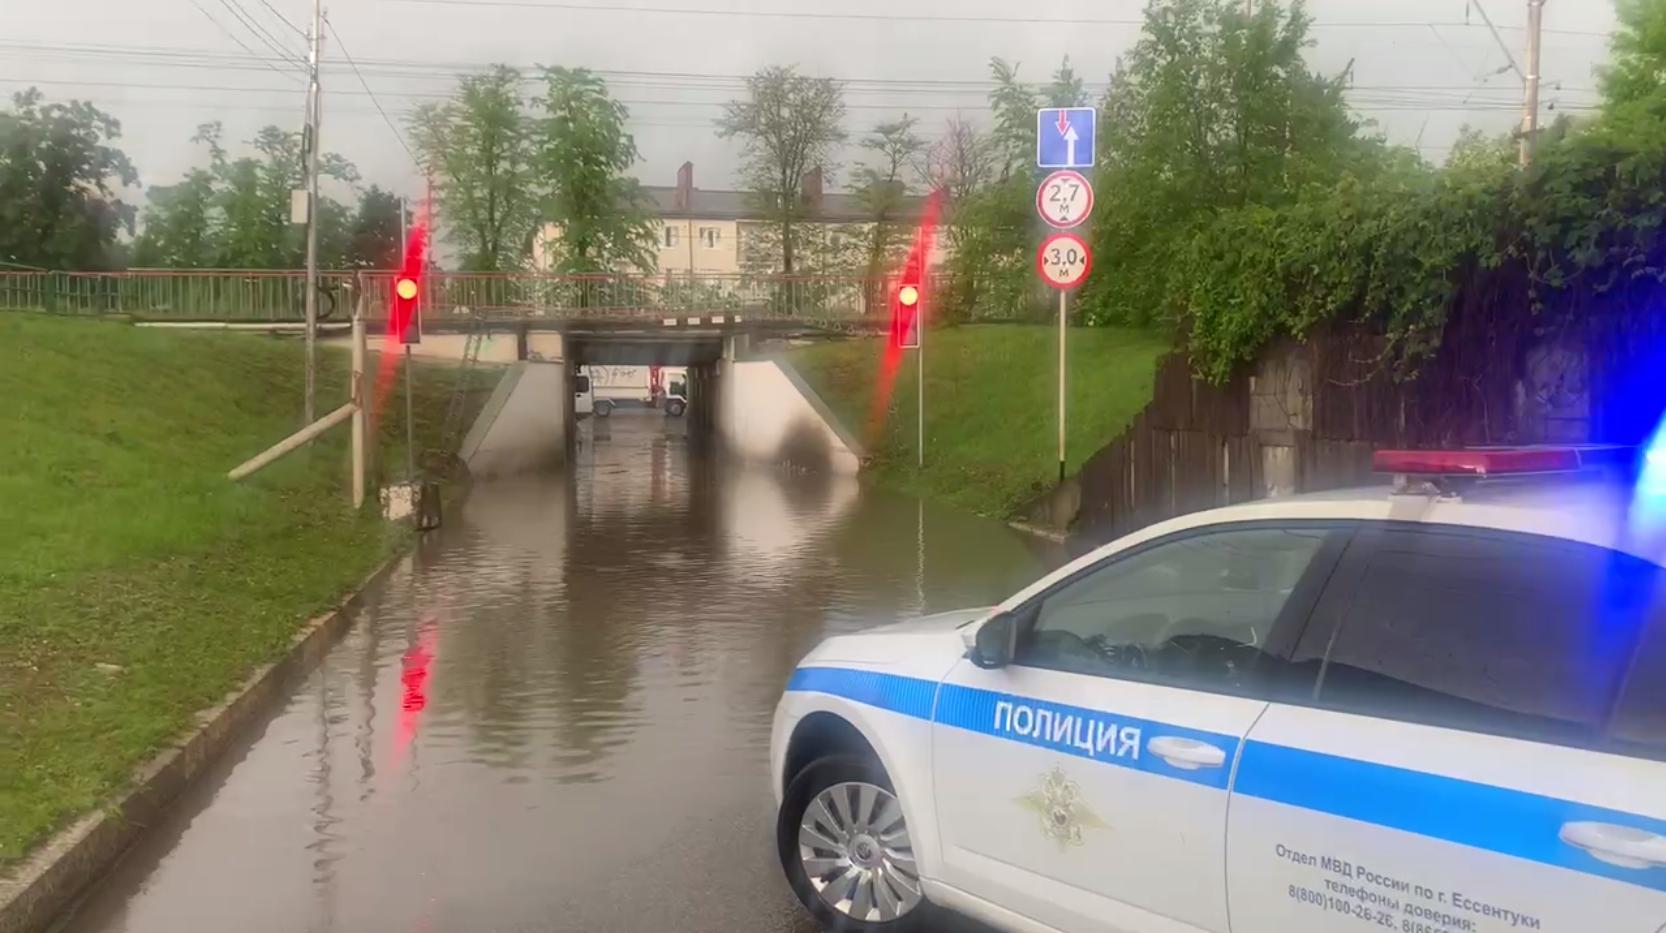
<point x="920" y="388"/>
<point x="1064" y="298"/>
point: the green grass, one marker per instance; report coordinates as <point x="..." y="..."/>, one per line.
<point x="991" y="406"/>
<point x="122" y="543"/>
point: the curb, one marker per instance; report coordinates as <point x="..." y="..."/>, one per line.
<point x="37" y="891"/>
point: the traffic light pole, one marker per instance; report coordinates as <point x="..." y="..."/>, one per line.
<point x="920" y="390"/>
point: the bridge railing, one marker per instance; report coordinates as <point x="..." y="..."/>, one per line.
<point x="240" y="295"/>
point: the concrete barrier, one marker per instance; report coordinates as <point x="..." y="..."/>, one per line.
<point x="523" y="428"/>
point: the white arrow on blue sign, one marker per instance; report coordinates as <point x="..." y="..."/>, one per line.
<point x="1064" y="137"/>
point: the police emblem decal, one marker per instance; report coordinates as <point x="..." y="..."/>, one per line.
<point x="1059" y="806"/>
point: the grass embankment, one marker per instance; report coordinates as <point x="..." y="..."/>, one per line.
<point x="991" y="406"/>
<point x="137" y="584"/>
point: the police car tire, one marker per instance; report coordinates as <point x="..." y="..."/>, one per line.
<point x="812" y="780"/>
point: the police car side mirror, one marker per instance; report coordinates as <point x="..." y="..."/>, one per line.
<point x="995" y="643"/>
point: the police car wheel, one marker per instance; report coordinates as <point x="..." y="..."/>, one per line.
<point x="845" y="847"/>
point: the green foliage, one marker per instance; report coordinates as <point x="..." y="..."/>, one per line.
<point x="374" y="240"/>
<point x="234" y="214"/>
<point x="994" y="232"/>
<point x="788" y="124"/>
<point x="881" y="184"/>
<point x="583" y="153"/>
<point x="1211" y="111"/>
<point x="59" y="175"/>
<point x="1395" y="249"/>
<point x="479" y="148"/>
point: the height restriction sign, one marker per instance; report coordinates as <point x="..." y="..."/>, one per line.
<point x="1063" y="260"/>
<point x="1064" y="200"/>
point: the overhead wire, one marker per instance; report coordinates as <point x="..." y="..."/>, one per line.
<point x="266" y="39"/>
<point x="372" y="94"/>
<point x="283" y="19"/>
<point x="233" y="37"/>
<point x="911" y="17"/>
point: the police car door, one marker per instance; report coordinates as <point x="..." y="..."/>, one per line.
<point x="1085" y="784"/>
<point x="1462" y="766"/>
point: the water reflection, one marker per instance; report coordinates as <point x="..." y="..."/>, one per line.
<point x="555" y="713"/>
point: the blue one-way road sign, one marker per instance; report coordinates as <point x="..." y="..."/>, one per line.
<point x="1064" y="137"/>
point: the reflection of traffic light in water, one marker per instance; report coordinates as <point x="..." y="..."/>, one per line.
<point x="908" y="297"/>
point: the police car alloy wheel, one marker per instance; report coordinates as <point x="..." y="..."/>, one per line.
<point x="845" y="847"/>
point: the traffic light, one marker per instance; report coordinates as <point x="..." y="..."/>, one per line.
<point x="906" y="317"/>
<point x="407" y="295"/>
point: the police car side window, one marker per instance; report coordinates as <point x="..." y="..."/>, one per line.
<point x="1195" y="612"/>
<point x="1511" y="635"/>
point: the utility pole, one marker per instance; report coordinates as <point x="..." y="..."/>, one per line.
<point x="1530" y="103"/>
<point x="313" y="114"/>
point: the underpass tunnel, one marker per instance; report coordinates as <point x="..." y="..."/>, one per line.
<point x="615" y="368"/>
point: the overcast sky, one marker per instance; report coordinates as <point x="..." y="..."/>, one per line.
<point x="1422" y="68"/>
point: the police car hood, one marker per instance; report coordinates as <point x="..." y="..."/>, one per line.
<point x="928" y="641"/>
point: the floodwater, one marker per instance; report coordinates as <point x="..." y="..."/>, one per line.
<point x="554" y="715"/>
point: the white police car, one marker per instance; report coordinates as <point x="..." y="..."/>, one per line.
<point x="1439" y="712"/>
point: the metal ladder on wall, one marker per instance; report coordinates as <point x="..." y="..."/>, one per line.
<point x="451" y="429"/>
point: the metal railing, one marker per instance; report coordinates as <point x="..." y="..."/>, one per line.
<point x="239" y="295"/>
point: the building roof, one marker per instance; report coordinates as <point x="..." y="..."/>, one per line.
<point x="705" y="204"/>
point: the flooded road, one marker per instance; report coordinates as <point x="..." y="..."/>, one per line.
<point x="554" y="715"/>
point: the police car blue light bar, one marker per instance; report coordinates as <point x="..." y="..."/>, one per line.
<point x="1498" y="461"/>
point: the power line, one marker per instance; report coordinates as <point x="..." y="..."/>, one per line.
<point x="233" y="37"/>
<point x="366" y="84"/>
<point x="917" y="17"/>
<point x="241" y="16"/>
<point x="284" y="19"/>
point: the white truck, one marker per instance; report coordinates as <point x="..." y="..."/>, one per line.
<point x="601" y="389"/>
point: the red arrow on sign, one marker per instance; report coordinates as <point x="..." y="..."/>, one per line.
<point x="1064" y="123"/>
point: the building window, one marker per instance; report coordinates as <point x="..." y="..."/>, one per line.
<point x="672" y="234"/>
<point x="709" y="237"/>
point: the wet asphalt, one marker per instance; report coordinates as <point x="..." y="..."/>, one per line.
<point x="554" y="714"/>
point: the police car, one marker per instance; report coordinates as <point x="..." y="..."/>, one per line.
<point x="1436" y="708"/>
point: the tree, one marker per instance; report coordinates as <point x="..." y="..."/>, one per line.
<point x="235" y="212"/>
<point x="992" y="272"/>
<point x="583" y="152"/>
<point x="178" y="224"/>
<point x="881" y="185"/>
<point x="58" y="179"/>
<point x="478" y="147"/>
<point x="374" y="241"/>
<point x="1637" y="67"/>
<point x="961" y="161"/>
<point x="788" y="125"/>
<point x="1212" y="110"/>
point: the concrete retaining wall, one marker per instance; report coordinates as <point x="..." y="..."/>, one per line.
<point x="524" y="426"/>
<point x="766" y="412"/>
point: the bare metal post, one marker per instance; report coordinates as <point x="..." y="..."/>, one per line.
<point x="920" y="385"/>
<point x="410" y="427"/>
<point x="1530" y="101"/>
<point x="313" y="113"/>
<point x="359" y="412"/>
<point x="1063" y="299"/>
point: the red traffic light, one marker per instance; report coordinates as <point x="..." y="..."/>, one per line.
<point x="908" y="296"/>
<point x="405" y="288"/>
